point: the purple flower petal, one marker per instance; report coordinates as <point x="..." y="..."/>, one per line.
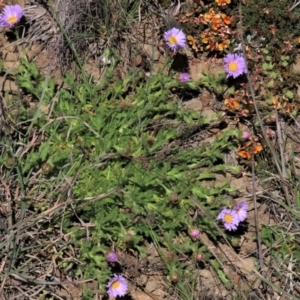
<point x="175" y="38"/>
<point x="241" y="210"/>
<point x="118" y="286"/>
<point x="11" y="15"/>
<point x="229" y="218"/>
<point x="195" y="233"/>
<point x="246" y="135"/>
<point x="184" y="77"/>
<point x="234" y="65"/>
<point x="112" y="257"/>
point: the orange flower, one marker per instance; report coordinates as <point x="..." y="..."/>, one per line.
<point x="231" y="103"/>
<point x="246" y="145"/>
<point x="223" y="2"/>
<point x="226" y="19"/>
<point x="192" y="42"/>
<point x="216" y="23"/>
<point x="209" y="15"/>
<point x="206" y="37"/>
<point x="244" y="154"/>
<point x="223" y="45"/>
<point x="257" y="148"/>
<point x="276" y="103"/>
<point x="206" y="18"/>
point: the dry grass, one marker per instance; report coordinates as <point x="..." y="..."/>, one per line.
<point x="77" y="30"/>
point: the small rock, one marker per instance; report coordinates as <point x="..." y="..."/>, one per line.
<point x="206" y="98"/>
<point x="298" y="90"/>
<point x="240" y="184"/>
<point x="296" y="65"/>
<point x="151" y="285"/>
<point x="34" y="51"/>
<point x="207" y="278"/>
<point x="198" y="69"/>
<point x="139" y="295"/>
<point x="11" y="65"/>
<point x="220" y="179"/>
<point x="151" y="51"/>
<point x="143" y="279"/>
<point x="194" y="104"/>
<point x="247" y="265"/>
<point x="9" y="86"/>
<point x="11" y="56"/>
<point x="10" y="47"/>
<point x="209" y="114"/>
<point x="93" y="70"/>
<point x="136" y="60"/>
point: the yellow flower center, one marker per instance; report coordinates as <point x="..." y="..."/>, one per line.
<point x="172" y="40"/>
<point x="233" y="66"/>
<point x="12" y="20"/>
<point x="228" y="218"/>
<point x="116" y="284"/>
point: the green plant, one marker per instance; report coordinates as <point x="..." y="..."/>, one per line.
<point x="119" y="145"/>
<point x="114" y="156"/>
<point x="213" y="82"/>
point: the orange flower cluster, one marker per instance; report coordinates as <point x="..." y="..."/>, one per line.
<point x="249" y="148"/>
<point x="223" y="2"/>
<point x="239" y="104"/>
<point x="285" y="106"/>
<point x="216" y="36"/>
<point x="231" y="103"/>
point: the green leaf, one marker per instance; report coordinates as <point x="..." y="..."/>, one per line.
<point x="289" y="94"/>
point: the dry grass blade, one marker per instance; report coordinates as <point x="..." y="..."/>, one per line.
<point x="42" y="26"/>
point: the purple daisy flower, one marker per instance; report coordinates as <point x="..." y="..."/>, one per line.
<point x="184" y="77"/>
<point x="234" y="65"/>
<point x="11" y="15"/>
<point x="175" y="38"/>
<point x="112" y="257"/>
<point x="118" y="286"/>
<point x="241" y="210"/>
<point x="229" y="218"/>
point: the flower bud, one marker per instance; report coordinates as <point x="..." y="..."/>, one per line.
<point x="194" y="234"/>
<point x="46" y="168"/>
<point x="10" y="162"/>
<point x="174" y="277"/>
<point x="112" y="257"/>
<point x="173" y="197"/>
<point x="210" y="199"/>
<point x="235" y="242"/>
<point x="199" y="257"/>
<point x="246" y="135"/>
